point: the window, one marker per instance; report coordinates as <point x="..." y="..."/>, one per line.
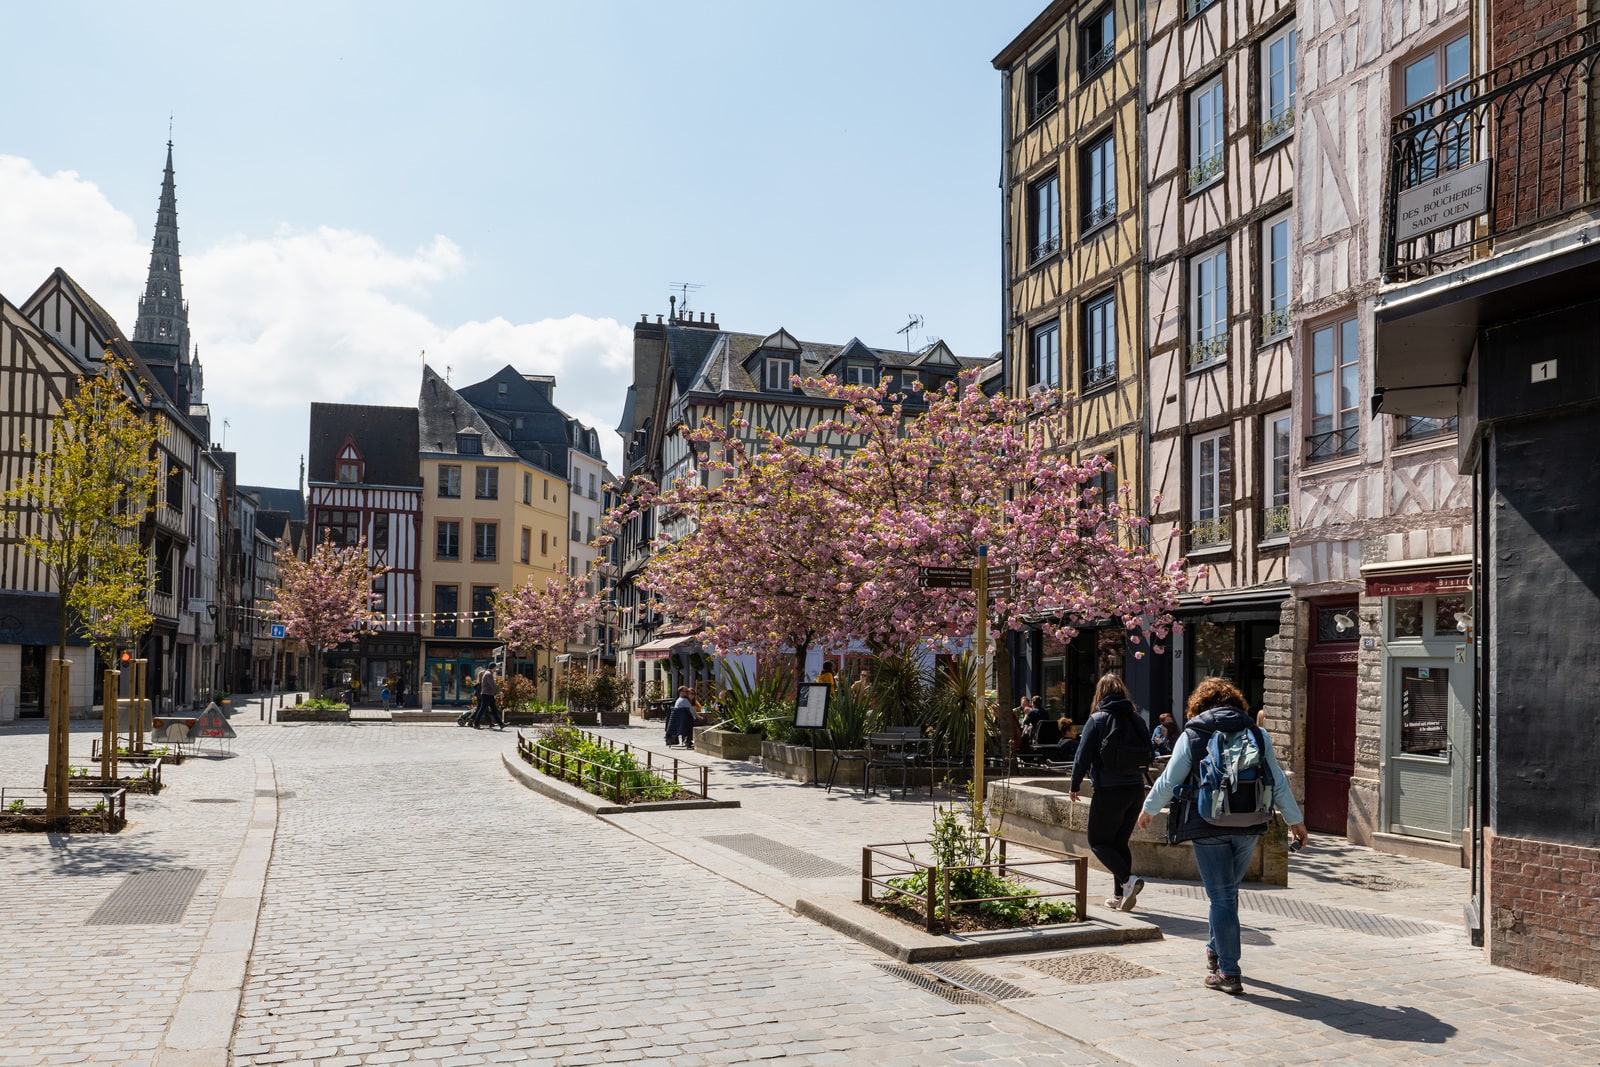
<point x="1044" y="218"/>
<point x="349" y="470"/>
<point x="588" y="531"/>
<point x="1104" y="484"/>
<point x="380" y="592"/>
<point x="1420" y="427"/>
<point x="1191" y="8"/>
<point x="577" y="530"/>
<point x="1275" y="493"/>
<point x="340" y="526"/>
<point x="1275" y="277"/>
<point x="778" y="372"/>
<point x="1044" y="356"/>
<point x="1097" y="43"/>
<point x="488" y="487"/>
<point x="446" y="601"/>
<point x="1208" y="304"/>
<point x="859" y="374"/>
<point x="449" y="480"/>
<point x="1100" y="340"/>
<point x="174" y="486"/>
<point x="527" y="543"/>
<point x="1205" y="134"/>
<point x="1099" y="184"/>
<point x="447" y="539"/>
<point x="527" y="488"/>
<point x="483" y="541"/>
<point x="594" y="492"/>
<point x="1423" y="80"/>
<point x="1335" y="391"/>
<point x="1425" y="711"/>
<point x="1043" y="83"/>
<point x="500" y="388"/>
<point x="1213" y="490"/>
<point x="483" y="610"/>
<point x="469" y="443"/>
<point x="1277" y="85"/>
<point x="544" y="542"/>
<point x="380" y="530"/>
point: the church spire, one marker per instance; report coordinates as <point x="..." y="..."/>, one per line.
<point x="162" y="332"/>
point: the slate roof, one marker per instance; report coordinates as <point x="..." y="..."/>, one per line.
<point x="727" y="366"/>
<point x="546" y="432"/>
<point x="443" y="415"/>
<point x="386" y="437"/>
<point x="288" y="501"/>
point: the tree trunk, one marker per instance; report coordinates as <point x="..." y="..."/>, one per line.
<point x="316" y="674"/>
<point x="801" y="651"/>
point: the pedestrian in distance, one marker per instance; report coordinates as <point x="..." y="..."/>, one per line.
<point x="1114" y="752"/>
<point x="488" y="713"/>
<point x="1223" y="782"/>
<point x="1165" y="735"/>
<point x="680" y="720"/>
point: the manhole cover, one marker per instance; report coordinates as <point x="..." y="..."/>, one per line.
<point x="158" y="896"/>
<point x="212" y="800"/>
<point x="1378" y="883"/>
<point x="1090" y="968"/>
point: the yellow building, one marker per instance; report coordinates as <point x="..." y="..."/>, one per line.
<point x="490" y="521"/>
<point x="1072" y="175"/>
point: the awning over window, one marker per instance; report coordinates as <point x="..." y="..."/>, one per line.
<point x="662" y="647"/>
<point x="1440" y="575"/>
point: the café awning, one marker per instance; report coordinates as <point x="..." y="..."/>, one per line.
<point x="662" y="647"/>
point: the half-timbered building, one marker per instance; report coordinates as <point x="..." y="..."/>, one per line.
<point x="1220" y="90"/>
<point x="1381" y="521"/>
<point x="363" y="481"/>
<point x="1073" y="292"/>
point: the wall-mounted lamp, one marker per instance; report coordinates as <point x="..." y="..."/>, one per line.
<point x="1464" y="621"/>
<point x="1343" y="622"/>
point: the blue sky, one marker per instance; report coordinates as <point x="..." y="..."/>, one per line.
<point x="505" y="183"/>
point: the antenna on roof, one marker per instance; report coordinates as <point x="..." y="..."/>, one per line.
<point x="447" y="370"/>
<point x="915" y="323"/>
<point x="683" y="290"/>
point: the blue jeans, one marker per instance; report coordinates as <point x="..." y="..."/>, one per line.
<point x="1223" y="862"/>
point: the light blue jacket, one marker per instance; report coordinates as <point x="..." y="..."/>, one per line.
<point x="1182" y="762"/>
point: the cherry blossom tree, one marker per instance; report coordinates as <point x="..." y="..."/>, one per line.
<point x="326" y="598"/>
<point x="544" y="615"/>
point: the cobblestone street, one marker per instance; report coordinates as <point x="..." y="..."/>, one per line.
<point x="422" y="907"/>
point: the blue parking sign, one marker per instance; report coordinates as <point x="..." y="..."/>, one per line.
<point x="279" y="630"/>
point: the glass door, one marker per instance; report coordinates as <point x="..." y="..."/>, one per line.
<point x="1428" y="693"/>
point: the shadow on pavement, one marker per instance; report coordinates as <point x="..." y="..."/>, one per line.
<point x="1354" y="1016"/>
<point x="1198" y="929"/>
<point x="93" y="855"/>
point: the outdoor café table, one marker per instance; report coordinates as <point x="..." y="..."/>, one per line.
<point x="898" y="750"/>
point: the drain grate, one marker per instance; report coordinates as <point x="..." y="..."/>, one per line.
<point x="212" y="800"/>
<point x="786" y="858"/>
<point x="1090" y="968"/>
<point x="976" y="981"/>
<point x="149" y="897"/>
<point x="1373" y="923"/>
<point x="933" y="984"/>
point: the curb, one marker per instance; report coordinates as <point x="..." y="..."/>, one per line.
<point x="908" y="944"/>
<point x="204" y="1016"/>
<point x="585" y="801"/>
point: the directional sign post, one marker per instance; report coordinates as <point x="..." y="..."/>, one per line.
<point x="944" y="577"/>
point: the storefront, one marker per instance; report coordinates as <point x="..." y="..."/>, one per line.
<point x="368" y="664"/>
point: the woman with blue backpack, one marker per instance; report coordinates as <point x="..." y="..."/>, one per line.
<point x="1223" y="782"/>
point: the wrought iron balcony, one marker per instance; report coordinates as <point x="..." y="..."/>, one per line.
<point x="1208" y="350"/>
<point x="1420" y="428"/>
<point x="1274" y="522"/>
<point x="1493" y="157"/>
<point x="1099" y="214"/>
<point x="1212" y="533"/>
<point x="1048" y="247"/>
<point x="1333" y="443"/>
<point x="1100" y="372"/>
<point x="1205" y="170"/>
<point x="1277" y="126"/>
<point x="1275" y="323"/>
<point x="1042" y="106"/>
<point x="1094" y="62"/>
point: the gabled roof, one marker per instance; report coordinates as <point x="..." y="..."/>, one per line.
<point x="387" y="436"/>
<point x="782" y="341"/>
<point x="938" y="356"/>
<point x="443" y="415"/>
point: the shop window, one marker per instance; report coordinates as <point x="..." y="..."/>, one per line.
<point x="1424" y="711"/>
<point x="1233" y="650"/>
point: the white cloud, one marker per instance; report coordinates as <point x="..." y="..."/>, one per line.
<point x="301" y="315"/>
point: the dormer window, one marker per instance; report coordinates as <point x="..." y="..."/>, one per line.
<point x="860" y="374"/>
<point x="348" y="465"/>
<point x="778" y="372"/>
<point x="500" y="388"/>
<point x="349" y="470"/>
<point x="469" y="444"/>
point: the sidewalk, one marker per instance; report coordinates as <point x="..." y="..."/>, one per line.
<point x="1362" y="958"/>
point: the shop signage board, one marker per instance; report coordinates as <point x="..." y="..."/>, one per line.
<point x="1420" y="585"/>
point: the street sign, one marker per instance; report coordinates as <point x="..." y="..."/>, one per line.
<point x="944" y="577"/>
<point x="279" y="630"/>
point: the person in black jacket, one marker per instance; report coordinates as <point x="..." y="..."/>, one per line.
<point x="1114" y="806"/>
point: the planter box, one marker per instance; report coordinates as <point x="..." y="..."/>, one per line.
<point x="1040" y="811"/>
<point x="613" y="718"/>
<point x="794" y="762"/>
<point x="530" y="718"/>
<point x="303" y="714"/>
<point x="726" y="744"/>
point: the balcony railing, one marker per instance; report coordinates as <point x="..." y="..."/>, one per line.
<point x="1099" y="373"/>
<point x="1208" y="350"/>
<point x="1333" y="443"/>
<point x="1512" y="146"/>
<point x="1210" y="533"/>
<point x="1275" y="323"/>
<point x="1042" y="106"/>
<point x="1094" y="62"/>
<point x="1274" y="522"/>
<point x="1420" y="428"/>
<point x="1203" y="171"/>
<point x="1277" y="126"/>
<point x="1191" y="8"/>
<point x="1047" y="247"/>
<point x="1099" y="214"/>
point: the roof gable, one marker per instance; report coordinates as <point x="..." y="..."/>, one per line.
<point x="938" y="356"/>
<point x="782" y="341"/>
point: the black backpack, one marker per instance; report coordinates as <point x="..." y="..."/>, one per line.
<point x="1126" y="748"/>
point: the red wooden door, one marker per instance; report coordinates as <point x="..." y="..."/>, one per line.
<point x="1330" y="747"/>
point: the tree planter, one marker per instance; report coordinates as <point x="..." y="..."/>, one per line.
<point x="794" y="762"/>
<point x="301" y="714"/>
<point x="530" y="718"/>
<point x="613" y="718"/>
<point x="726" y="744"/>
<point x="1039" y="812"/>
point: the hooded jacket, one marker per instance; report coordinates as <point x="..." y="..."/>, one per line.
<point x="1183" y="821"/>
<point x="1087" y="759"/>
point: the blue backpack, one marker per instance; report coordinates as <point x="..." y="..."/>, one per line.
<point x="1234" y="781"/>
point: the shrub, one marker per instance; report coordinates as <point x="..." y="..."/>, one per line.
<point x="758" y="706"/>
<point x="608" y="689"/>
<point x="516" y="693"/>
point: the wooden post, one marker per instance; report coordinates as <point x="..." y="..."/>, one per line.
<point x="108" y="724"/>
<point x="57" y="708"/>
<point x="982" y="641"/>
<point x="136" y="709"/>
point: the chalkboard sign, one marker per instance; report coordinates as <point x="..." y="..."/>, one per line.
<point x="811" y="706"/>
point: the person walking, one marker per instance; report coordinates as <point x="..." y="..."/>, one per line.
<point x="488" y="712"/>
<point x="1221" y="852"/>
<point x="680" y="720"/>
<point x="1118" y="779"/>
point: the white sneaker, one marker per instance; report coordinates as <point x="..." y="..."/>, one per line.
<point x="1130" y="892"/>
<point x="1114" y="903"/>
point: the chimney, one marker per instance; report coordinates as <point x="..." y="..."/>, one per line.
<point x="672" y="309"/>
<point x="658" y="320"/>
<point x="644" y="316"/>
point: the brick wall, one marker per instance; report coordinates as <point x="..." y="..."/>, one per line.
<point x="1542" y="916"/>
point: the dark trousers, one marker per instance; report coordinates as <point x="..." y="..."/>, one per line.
<point x="1113" y="811"/>
<point x="488" y="712"/>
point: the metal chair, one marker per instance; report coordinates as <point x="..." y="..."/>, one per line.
<point x="847" y="757"/>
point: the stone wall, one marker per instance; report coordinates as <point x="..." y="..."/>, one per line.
<point x="1542" y="915"/>
<point x="1365" y="783"/>
<point x="1284" y="691"/>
